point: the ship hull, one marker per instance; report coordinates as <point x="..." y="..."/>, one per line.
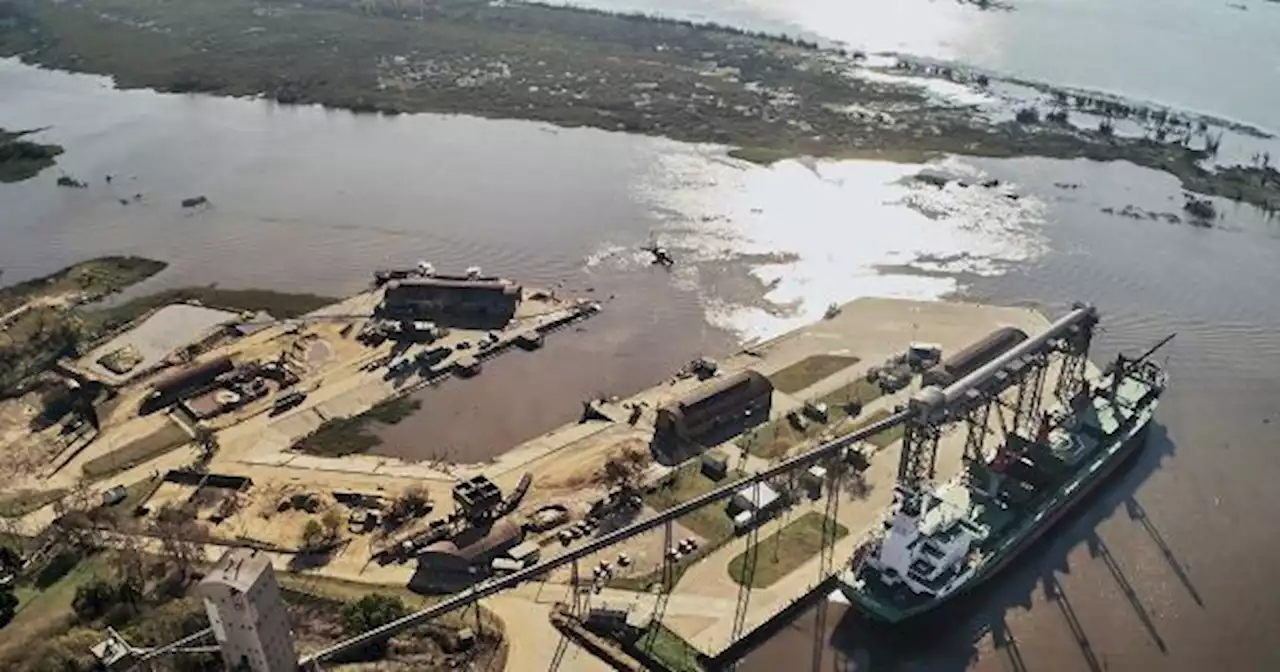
<point x="1111" y="460"/>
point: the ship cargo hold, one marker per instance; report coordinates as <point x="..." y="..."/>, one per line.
<point x="939" y="541"/>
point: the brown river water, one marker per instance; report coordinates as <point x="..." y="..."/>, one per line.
<point x="1170" y="568"/>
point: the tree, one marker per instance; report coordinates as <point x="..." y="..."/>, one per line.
<point x="207" y="439"/>
<point x="312" y="535"/>
<point x="93" y="599"/>
<point x="181" y="544"/>
<point x="8" y="606"/>
<point x="117" y="600"/>
<point x="411" y="502"/>
<point x="372" y="611"/>
<point x="624" y="468"/>
<point x="332" y="522"/>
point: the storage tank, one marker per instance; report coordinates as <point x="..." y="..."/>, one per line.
<point x="970" y="359"/>
<point x="174" y="386"/>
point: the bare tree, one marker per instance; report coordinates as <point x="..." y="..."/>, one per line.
<point x="624" y="467"/>
<point x="181" y="543"/>
<point x="313" y="535"/>
<point x="332" y="522"/>
<point x="131" y="555"/>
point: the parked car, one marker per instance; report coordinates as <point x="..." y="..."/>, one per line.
<point x="114" y="495"/>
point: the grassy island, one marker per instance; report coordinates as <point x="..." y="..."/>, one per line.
<point x="771" y="97"/>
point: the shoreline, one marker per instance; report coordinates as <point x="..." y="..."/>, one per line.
<point x="768" y="96"/>
<point x="46" y="317"/>
<point x="22" y="159"/>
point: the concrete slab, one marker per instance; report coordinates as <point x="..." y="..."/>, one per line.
<point x="166" y="330"/>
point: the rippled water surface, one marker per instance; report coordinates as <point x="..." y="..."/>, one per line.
<point x="1168" y="569"/>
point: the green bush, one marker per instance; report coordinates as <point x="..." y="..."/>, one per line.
<point x="118" y="601"/>
<point x="372" y="611"/>
<point x="8" y="606"/>
<point x="56" y="568"/>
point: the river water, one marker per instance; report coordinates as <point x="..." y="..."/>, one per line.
<point x="1168" y="569"/>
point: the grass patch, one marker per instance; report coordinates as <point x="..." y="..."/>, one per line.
<point x="392" y="411"/>
<point x="338" y="590"/>
<point x="763" y="156"/>
<point x="339" y="437"/>
<point x="168" y="437"/>
<point x="22" y="159"/>
<point x="278" y="304"/>
<point x="779" y="437"/>
<point x="785" y="550"/>
<point x="43" y="612"/>
<point x="341" y="591"/>
<point x="883" y="439"/>
<point x="22" y="502"/>
<point x="808" y="371"/>
<point x="90" y="279"/>
<point x="861" y="389"/>
<point x="668" y="649"/>
<point x="136" y="494"/>
<point x="711" y="523"/>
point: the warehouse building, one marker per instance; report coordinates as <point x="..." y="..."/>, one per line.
<point x="713" y="412"/>
<point x="450" y="301"/>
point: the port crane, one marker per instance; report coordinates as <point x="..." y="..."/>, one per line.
<point x="1010" y="386"/>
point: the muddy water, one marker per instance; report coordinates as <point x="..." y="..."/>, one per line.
<point x="306" y="198"/>
<point x="645" y="333"/>
<point x="1168" y="569"/>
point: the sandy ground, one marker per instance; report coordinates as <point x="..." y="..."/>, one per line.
<point x="565" y="461"/>
<point x="22" y="452"/>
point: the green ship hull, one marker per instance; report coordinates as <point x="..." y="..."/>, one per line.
<point x="985" y="526"/>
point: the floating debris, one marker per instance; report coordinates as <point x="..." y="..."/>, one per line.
<point x="936" y="179"/>
<point x="193" y="202"/>
<point x="1200" y="208"/>
<point x="661" y="256"/>
<point x="1134" y="212"/>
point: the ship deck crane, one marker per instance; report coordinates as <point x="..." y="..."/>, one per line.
<point x="973" y="397"/>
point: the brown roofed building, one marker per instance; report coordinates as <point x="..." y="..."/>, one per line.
<point x="730" y="403"/>
<point x="435" y="298"/>
<point x="451" y="565"/>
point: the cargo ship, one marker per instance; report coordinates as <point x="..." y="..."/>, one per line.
<point x="940" y="541"/>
